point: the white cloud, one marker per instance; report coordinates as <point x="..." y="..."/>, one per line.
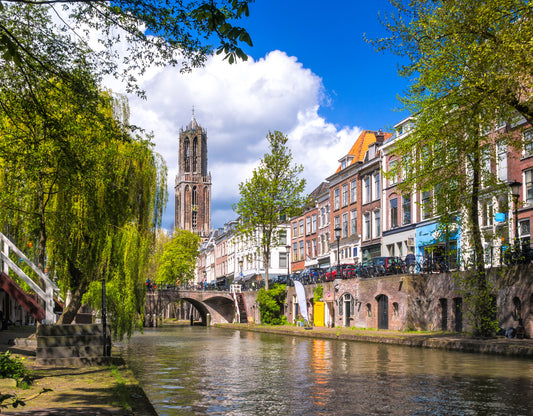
<point x="238" y="105"/>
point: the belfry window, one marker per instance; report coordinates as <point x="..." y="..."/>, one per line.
<point x="186" y="156"/>
<point x="194" y="155"/>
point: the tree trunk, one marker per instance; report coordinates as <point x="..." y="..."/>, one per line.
<point x="482" y="316"/>
<point x="70" y="310"/>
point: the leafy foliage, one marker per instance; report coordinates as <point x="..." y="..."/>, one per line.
<point x="13" y="367"/>
<point x="318" y="293"/>
<point x="79" y="183"/>
<point x="271" y="303"/>
<point x="176" y="33"/>
<point x="470" y="66"/>
<point x="178" y="259"/>
<point x="270" y="197"/>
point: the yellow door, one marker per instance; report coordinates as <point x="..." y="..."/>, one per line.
<point x="319" y="314"/>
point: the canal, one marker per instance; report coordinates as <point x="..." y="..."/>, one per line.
<point x="212" y="371"/>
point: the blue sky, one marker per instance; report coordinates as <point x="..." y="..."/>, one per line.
<point x="310" y="75"/>
<point x="361" y="84"/>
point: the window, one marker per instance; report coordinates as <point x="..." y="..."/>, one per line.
<point x="294" y="251"/>
<point x="426" y="205"/>
<point x="366" y="190"/>
<point x="528" y="143"/>
<point x="294" y="229"/>
<point x="528" y="175"/>
<point x="308" y="252"/>
<point x="377" y="185"/>
<point x="353" y="191"/>
<point x="353" y="221"/>
<point x="345" y="224"/>
<point x="307" y="225"/>
<point x="315" y="252"/>
<point x="301" y="250"/>
<point x="301" y="227"/>
<point x="377" y="224"/>
<point x="406" y="209"/>
<point x="282" y="260"/>
<point x="336" y="222"/>
<point x="336" y="196"/>
<point x="393" y="212"/>
<point x="485" y="164"/>
<point x="313" y="223"/>
<point x="283" y="237"/>
<point x="524" y="233"/>
<point x="502" y="161"/>
<point x="366" y="223"/>
<point x="487" y="213"/>
<point x="344" y="194"/>
<point x="394" y="179"/>
<point x="322" y="215"/>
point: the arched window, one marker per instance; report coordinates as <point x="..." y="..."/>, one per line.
<point x="186" y="156"/>
<point x="194" y="155"/>
<point x="369" y="310"/>
<point x="395" y="309"/>
<point x="194" y="207"/>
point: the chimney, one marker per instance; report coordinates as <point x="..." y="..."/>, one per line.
<point x="380" y="137"/>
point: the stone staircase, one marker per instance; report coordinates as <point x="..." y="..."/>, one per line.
<point x="71" y="345"/>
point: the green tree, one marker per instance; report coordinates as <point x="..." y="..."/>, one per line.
<point x="270" y="197"/>
<point x="178" y="258"/>
<point x="470" y="68"/>
<point x="182" y="33"/>
<point x="76" y="182"/>
<point x="481" y="47"/>
<point x="271" y="303"/>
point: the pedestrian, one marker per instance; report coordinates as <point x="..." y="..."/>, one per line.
<point x="410" y="261"/>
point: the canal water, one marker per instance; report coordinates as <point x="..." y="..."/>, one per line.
<point x="213" y="371"/>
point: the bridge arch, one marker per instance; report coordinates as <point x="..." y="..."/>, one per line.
<point x="219" y="305"/>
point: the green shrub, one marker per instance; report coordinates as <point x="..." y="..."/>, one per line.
<point x="271" y="305"/>
<point x="12" y="367"/>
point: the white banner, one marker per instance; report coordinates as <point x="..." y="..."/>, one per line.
<point x="300" y="294"/>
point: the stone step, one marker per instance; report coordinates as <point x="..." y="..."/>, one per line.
<point x="67" y="352"/>
<point x="66" y="341"/>
<point x="67" y="330"/>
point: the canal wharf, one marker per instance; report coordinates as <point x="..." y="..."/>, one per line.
<point x="511" y="347"/>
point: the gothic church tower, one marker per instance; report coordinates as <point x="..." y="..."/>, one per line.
<point x="193" y="181"/>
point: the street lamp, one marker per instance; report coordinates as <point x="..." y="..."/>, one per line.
<point x="515" y="191"/>
<point x="338" y="237"/>
<point x="288" y="248"/>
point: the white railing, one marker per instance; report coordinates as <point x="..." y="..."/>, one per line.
<point x="235" y="288"/>
<point x="46" y="295"/>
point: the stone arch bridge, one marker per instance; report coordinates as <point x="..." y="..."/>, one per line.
<point x="222" y="306"/>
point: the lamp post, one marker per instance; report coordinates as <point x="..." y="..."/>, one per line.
<point x="288" y="248"/>
<point x="515" y="191"/>
<point x="104" y="319"/>
<point x="338" y="237"/>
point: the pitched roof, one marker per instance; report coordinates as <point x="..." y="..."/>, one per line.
<point x="359" y="148"/>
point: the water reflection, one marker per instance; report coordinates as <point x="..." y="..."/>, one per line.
<point x="210" y="371"/>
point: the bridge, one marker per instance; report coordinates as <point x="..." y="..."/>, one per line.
<point x="219" y="306"/>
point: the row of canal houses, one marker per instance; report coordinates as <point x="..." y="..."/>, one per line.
<point x="375" y="219"/>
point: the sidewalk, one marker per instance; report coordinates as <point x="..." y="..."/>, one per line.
<point x="449" y="341"/>
<point x="78" y="391"/>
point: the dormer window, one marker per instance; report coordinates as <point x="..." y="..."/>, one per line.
<point x="346" y="161"/>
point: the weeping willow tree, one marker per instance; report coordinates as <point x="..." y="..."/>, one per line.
<point x="80" y="185"/>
